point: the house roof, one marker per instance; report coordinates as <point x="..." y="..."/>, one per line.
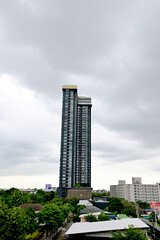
<point x="84" y="215"/>
<point x="85" y="203"/>
<point x="91" y="209"/>
<point x="121" y="216"/>
<point x="105" y="226"/>
<point x="95" y="214"/>
<point x="36" y="207"/>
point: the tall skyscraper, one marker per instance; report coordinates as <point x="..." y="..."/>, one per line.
<point x="75" y="159"/>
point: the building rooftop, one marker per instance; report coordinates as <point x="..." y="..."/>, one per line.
<point x="69" y="87"/>
<point x="105" y="226"/>
<point x="122" y="216"/>
<point x="90" y="209"/>
<point x="85" y="203"/>
<point x="35" y="206"/>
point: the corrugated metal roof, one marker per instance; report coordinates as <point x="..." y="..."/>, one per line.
<point x="105" y="226"/>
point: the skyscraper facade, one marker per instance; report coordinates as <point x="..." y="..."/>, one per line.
<point x="75" y="156"/>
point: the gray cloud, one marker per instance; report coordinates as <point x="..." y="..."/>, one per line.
<point x="110" y="49"/>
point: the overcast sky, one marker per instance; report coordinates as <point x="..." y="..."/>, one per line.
<point x="111" y="50"/>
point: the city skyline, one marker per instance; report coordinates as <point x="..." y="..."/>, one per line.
<point x="110" y="50"/>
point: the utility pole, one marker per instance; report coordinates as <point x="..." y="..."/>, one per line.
<point x="137" y="210"/>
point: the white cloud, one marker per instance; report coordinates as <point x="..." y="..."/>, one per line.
<point x="29" y="132"/>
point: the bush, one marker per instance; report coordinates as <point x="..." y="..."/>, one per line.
<point x="76" y="218"/>
<point x="90" y="218"/>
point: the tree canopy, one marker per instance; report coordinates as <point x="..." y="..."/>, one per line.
<point x="143" y="205"/>
<point x="14" y="223"/>
<point x="103" y="217"/>
<point x="90" y="218"/>
<point x="51" y="217"/>
<point x="130" y="234"/>
<point x="115" y="204"/>
<point x="129" y="208"/>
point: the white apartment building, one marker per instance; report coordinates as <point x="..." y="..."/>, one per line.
<point x="136" y="191"/>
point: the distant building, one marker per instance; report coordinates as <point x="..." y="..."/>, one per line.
<point x="136" y="191"/>
<point x="75" y="158"/>
<point x="49" y="188"/>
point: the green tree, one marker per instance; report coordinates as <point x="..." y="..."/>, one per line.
<point x="90" y="218"/>
<point x="152" y="217"/>
<point x="33" y="224"/>
<point x="103" y="217"/>
<point x="76" y="218"/>
<point x="77" y="185"/>
<point x="130" y="234"/>
<point x="129" y="208"/>
<point x="74" y="201"/>
<point x="51" y="217"/>
<point x="42" y="197"/>
<point x="100" y="194"/>
<point x="13" y="223"/>
<point x="78" y="208"/>
<point x="115" y="204"/>
<point x="14" y="197"/>
<point x="143" y="205"/>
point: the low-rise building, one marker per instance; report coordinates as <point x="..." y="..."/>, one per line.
<point x="98" y="230"/>
<point x="81" y="193"/>
<point x="136" y="191"/>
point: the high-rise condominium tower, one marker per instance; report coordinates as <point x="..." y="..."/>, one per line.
<point x="75" y="159"/>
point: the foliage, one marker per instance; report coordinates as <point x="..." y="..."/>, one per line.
<point x="130" y="234"/>
<point x="31" y="236"/>
<point x="51" y="217"/>
<point x="79" y="208"/>
<point x="15" y="197"/>
<point x="100" y="194"/>
<point x="115" y="204"/>
<point x="32" y="224"/>
<point x="13" y="223"/>
<point x="73" y="201"/>
<point x="16" y="223"/>
<point x="65" y="207"/>
<point x="103" y="217"/>
<point x="77" y="185"/>
<point x="90" y="218"/>
<point x="143" y="205"/>
<point x="119" y="205"/>
<point x="76" y="218"/>
<point x="129" y="208"/>
<point x="57" y="201"/>
<point x="152" y="217"/>
<point x="105" y="209"/>
<point x="42" y="197"/>
<point x="68" y="207"/>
